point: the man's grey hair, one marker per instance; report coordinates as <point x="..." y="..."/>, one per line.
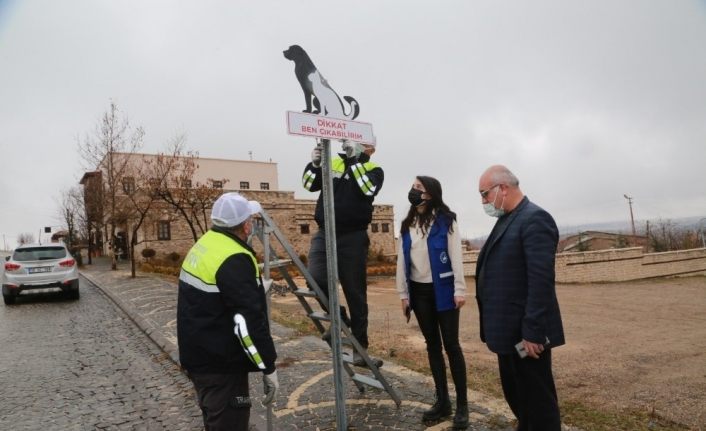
<point x="502" y="175"/>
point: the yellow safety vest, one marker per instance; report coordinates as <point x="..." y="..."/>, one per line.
<point x="206" y="257"/>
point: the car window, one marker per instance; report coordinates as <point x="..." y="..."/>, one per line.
<point x="38" y="253"/>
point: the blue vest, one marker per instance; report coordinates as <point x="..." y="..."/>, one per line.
<point x="441" y="271"/>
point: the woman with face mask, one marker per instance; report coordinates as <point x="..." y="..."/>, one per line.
<point x="430" y="282"/>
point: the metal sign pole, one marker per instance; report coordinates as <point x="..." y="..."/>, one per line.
<point x="332" y="270"/>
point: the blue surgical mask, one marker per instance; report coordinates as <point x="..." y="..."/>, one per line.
<point x="490" y="209"/>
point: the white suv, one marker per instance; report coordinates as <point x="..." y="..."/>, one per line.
<point x="46" y="266"/>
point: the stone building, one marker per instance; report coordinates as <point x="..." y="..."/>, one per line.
<point x="165" y="231"/>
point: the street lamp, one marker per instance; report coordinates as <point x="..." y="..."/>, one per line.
<point x="632" y="219"/>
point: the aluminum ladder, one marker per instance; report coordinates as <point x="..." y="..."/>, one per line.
<point x="264" y="227"/>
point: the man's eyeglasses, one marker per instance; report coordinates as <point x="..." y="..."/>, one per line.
<point x="484" y="193"/>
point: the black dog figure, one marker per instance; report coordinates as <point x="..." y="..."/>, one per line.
<point x="314" y="85"/>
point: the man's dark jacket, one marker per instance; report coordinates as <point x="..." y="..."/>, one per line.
<point x="354" y="209"/>
<point x="205" y="326"/>
<point x="515" y="281"/>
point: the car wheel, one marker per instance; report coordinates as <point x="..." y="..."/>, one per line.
<point x="73" y="294"/>
<point x="9" y="299"/>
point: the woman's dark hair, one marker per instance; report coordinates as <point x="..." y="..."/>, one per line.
<point x="425" y="218"/>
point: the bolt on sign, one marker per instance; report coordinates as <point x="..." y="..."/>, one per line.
<point x="316" y="126"/>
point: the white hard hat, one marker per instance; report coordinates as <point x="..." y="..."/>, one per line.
<point x="231" y="209"/>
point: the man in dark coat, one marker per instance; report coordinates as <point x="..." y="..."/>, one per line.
<point x="518" y="308"/>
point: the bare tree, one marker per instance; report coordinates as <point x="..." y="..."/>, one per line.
<point x="108" y="151"/>
<point x="188" y="197"/>
<point x="70" y="210"/>
<point x="25" y="238"/>
<point x="665" y="235"/>
<point x="149" y="176"/>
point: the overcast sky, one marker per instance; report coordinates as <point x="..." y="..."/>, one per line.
<point x="584" y="101"/>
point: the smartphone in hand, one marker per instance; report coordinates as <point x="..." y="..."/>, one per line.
<point x="520" y="347"/>
<point x="408" y="313"/>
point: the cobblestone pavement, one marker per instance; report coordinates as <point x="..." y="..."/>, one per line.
<point x="84" y="365"/>
<point x="306" y="397"/>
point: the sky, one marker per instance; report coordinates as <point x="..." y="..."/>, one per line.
<point x="584" y="101"/>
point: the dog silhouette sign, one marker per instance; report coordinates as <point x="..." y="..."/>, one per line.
<point x="317" y="91"/>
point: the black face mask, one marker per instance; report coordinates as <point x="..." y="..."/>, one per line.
<point x="415" y="197"/>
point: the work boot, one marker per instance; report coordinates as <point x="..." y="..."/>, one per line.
<point x="359" y="361"/>
<point x="441" y="408"/>
<point x="461" y="417"/>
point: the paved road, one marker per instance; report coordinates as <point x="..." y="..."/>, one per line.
<point x="83" y="365"/>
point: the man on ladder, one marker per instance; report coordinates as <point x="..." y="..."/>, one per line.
<point x="356" y="182"/>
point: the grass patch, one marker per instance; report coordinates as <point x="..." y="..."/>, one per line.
<point x="591" y="418"/>
<point x="298" y="321"/>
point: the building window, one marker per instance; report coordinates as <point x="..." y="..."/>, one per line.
<point x="374" y="227"/>
<point x="385" y="227"/>
<point x="244" y="185"/>
<point x="186" y="184"/>
<point x="304" y="228"/>
<point x="154" y="182"/>
<point x="129" y="185"/>
<point x="264" y="186"/>
<point x="217" y="184"/>
<point x="164" y="231"/>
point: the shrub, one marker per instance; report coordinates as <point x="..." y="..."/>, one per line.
<point x="160" y="269"/>
<point x="174" y="256"/>
<point x="377" y="255"/>
<point x="148" y="253"/>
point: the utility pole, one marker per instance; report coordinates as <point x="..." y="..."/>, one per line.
<point x="632" y="219"/>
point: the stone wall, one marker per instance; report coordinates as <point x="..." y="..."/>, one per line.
<point x="293" y="217"/>
<point x="627" y="264"/>
<point x="616" y="265"/>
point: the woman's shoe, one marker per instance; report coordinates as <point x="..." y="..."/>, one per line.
<point x="461" y="417"/>
<point x="441" y="408"/>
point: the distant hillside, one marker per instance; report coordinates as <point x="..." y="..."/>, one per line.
<point x="624" y="226"/>
<point x="614" y="227"/>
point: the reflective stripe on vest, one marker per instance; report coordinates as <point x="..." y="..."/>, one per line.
<point x="205" y="258"/>
<point x="359" y="174"/>
<point x="308" y="179"/>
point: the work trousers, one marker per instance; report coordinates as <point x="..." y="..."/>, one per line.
<point x="224" y="400"/>
<point x="529" y="389"/>
<point x="438" y="327"/>
<point x="352" y="251"/>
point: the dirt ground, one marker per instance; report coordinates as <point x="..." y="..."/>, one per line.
<point x="630" y="346"/>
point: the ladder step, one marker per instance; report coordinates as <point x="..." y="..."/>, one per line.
<point x="305" y="292"/>
<point x="320" y="316"/>
<point x="348" y="358"/>
<point x="277" y="263"/>
<point x="366" y="380"/>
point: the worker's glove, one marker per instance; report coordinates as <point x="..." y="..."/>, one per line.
<point x="271" y="385"/>
<point x="266" y="284"/>
<point x="352" y="149"/>
<point x="316" y="156"/>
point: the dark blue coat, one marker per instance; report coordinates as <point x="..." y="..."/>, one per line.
<point x="515" y="281"/>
